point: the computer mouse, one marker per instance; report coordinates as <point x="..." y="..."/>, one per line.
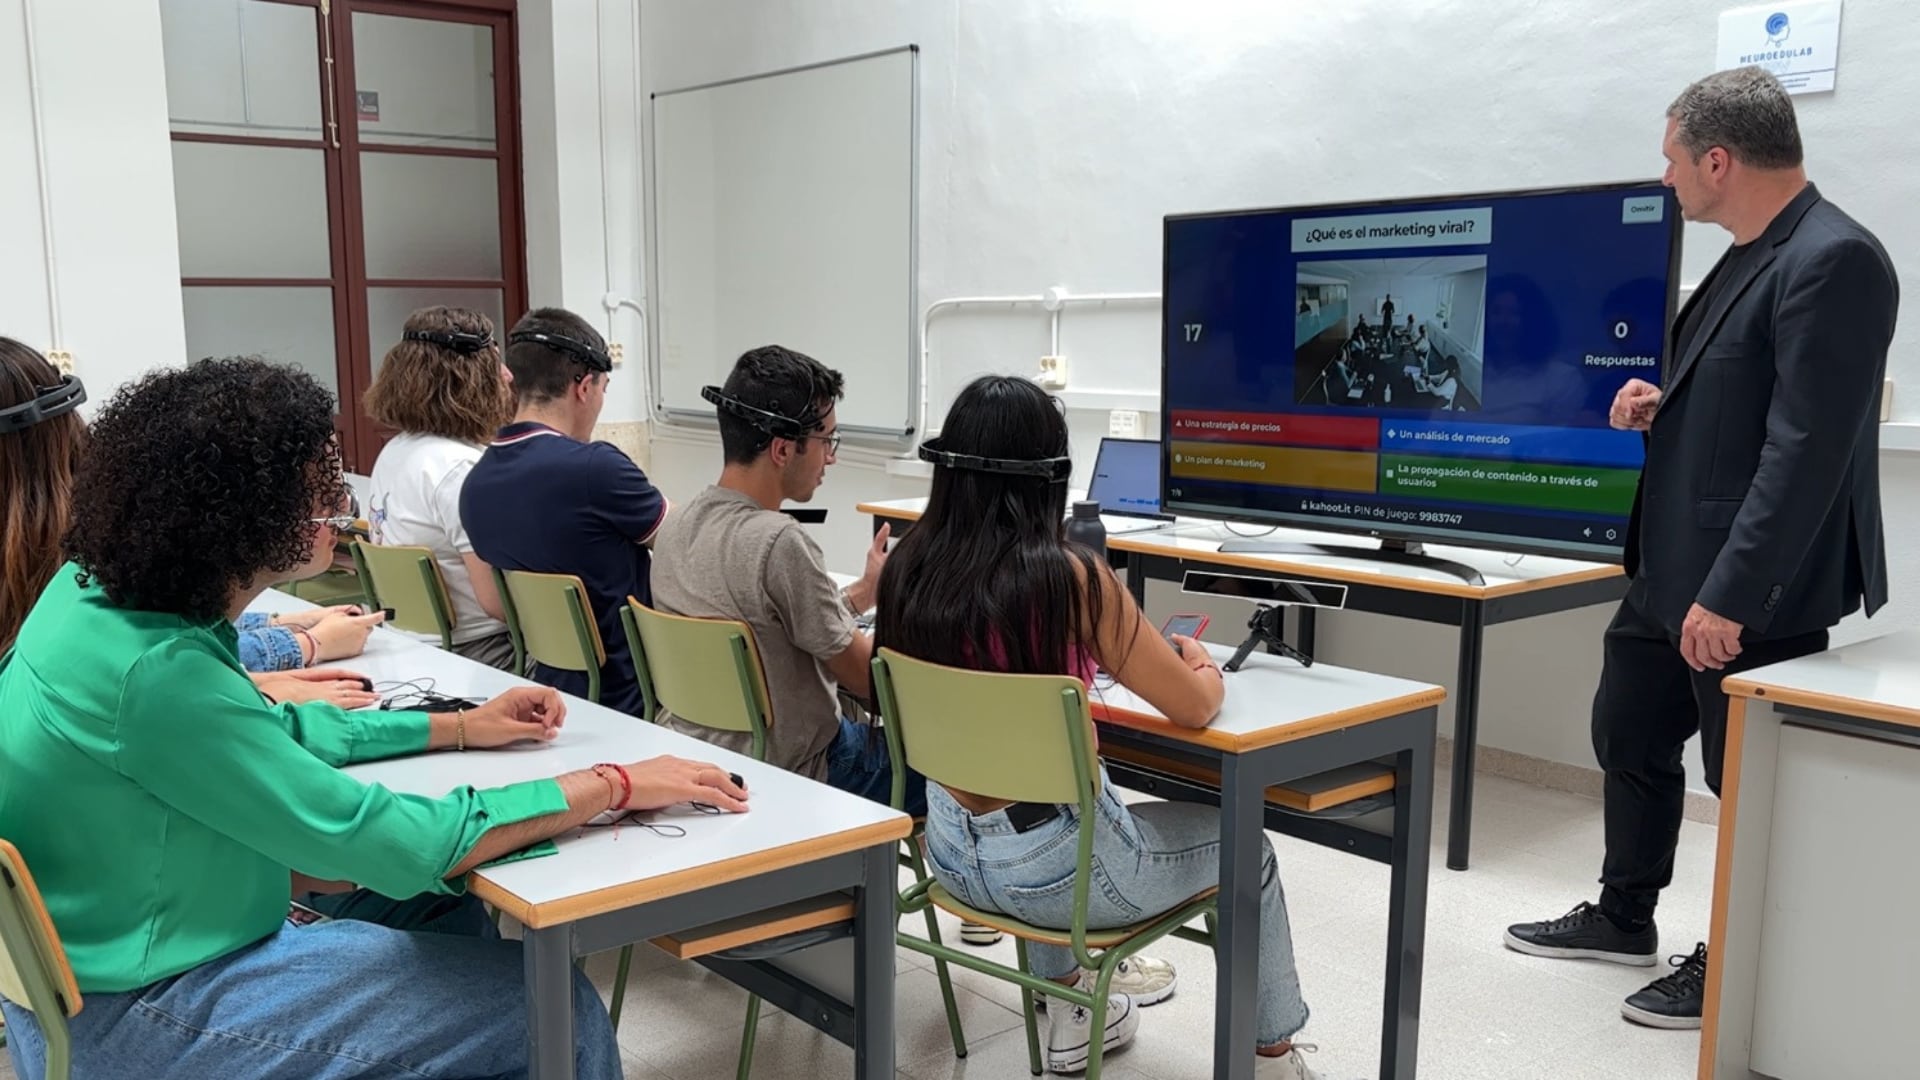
<point x="738" y="780"/>
<point x="365" y="683"/>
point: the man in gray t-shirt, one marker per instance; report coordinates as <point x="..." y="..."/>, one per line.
<point x="731" y="553"/>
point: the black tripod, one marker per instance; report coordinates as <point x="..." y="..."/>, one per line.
<point x="1265" y="629"/>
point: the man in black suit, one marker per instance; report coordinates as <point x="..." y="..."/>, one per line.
<point x="1757" y="524"/>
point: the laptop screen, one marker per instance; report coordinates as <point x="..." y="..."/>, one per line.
<point x="1126" y="477"/>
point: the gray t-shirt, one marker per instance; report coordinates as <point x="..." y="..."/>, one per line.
<point x="725" y="556"/>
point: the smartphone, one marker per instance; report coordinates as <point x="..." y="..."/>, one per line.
<point x="1185" y="626"/>
<point x="300" y="914"/>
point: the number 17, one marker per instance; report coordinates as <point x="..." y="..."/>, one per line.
<point x="1193" y="332"/>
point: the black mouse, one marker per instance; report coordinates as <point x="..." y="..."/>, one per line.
<point x="365" y="683"/>
<point x="737" y="780"/>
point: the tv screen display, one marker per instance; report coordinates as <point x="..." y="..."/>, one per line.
<point x="1426" y="369"/>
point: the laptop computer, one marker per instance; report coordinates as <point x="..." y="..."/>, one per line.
<point x="1126" y="484"/>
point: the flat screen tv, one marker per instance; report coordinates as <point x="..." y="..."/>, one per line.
<point x="1433" y="369"/>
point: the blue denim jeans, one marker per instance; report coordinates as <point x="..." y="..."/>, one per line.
<point x="390" y="989"/>
<point x="858" y="763"/>
<point x="1147" y="860"/>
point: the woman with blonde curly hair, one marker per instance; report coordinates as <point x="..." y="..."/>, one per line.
<point x="444" y="388"/>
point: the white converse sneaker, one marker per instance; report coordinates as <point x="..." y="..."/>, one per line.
<point x="1070" y="1032"/>
<point x="973" y="933"/>
<point x="1287" y="1066"/>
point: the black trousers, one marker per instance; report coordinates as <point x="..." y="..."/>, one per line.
<point x="1648" y="705"/>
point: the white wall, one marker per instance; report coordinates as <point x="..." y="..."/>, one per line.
<point x="117" y="267"/>
<point x="1055" y="137"/>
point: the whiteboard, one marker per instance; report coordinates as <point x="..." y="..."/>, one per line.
<point x="784" y="212"/>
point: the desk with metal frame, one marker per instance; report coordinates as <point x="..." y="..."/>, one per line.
<point x="609" y="887"/>
<point x="1280" y="722"/>
<point x="1514" y="590"/>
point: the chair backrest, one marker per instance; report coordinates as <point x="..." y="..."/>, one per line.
<point x="34" y="972"/>
<point x="1027" y="738"/>
<point x="408" y="580"/>
<point x="551" y="621"/>
<point x="704" y="671"/>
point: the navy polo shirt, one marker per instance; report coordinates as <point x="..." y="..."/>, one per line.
<point x="542" y="501"/>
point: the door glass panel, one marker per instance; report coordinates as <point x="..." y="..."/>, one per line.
<point x="251" y="211"/>
<point x="420" y="82"/>
<point x="430" y="217"/>
<point x="285" y="325"/>
<point x="387" y="311"/>
<point x="242" y="67"/>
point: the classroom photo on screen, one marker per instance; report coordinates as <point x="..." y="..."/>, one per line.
<point x="1390" y="333"/>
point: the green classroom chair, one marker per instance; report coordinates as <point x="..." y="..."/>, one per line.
<point x="989" y="734"/>
<point x="408" y="580"/>
<point x="551" y="621"/>
<point x="34" y="973"/>
<point x="708" y="672"/>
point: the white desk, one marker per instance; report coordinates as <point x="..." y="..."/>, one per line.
<point x="611" y="887"/>
<point x="1280" y="722"/>
<point x="1512" y="588"/>
<point x="1813" y="945"/>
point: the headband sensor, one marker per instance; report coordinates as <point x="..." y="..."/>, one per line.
<point x="595" y="359"/>
<point x="47" y="403"/>
<point x="764" y="420"/>
<point x="1052" y="469"/>
<point x="463" y="343"/>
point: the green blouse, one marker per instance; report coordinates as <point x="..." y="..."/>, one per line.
<point x="161" y="802"/>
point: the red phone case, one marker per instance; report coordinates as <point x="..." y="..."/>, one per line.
<point x="1166" y="630"/>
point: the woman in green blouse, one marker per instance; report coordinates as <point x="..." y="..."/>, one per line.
<point x="164" y="805"/>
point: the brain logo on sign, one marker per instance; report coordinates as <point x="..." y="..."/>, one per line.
<point x="1778" y="28"/>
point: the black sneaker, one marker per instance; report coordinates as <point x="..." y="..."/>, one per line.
<point x="1585" y="933"/>
<point x="1673" y="1000"/>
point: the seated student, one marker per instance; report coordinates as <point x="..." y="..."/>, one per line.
<point x="1421" y="346"/>
<point x="545" y="498"/>
<point x="731" y="554"/>
<point x="164" y="807"/>
<point x="41" y="439"/>
<point x="989" y="553"/>
<point x="444" y="389"/>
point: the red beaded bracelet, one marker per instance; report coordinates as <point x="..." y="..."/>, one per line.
<point x="626" y="783"/>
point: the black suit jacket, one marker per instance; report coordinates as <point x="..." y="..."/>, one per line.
<point x="1760" y="499"/>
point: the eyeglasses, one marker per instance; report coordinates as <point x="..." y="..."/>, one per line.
<point x="342" y="522"/>
<point x="832" y="439"/>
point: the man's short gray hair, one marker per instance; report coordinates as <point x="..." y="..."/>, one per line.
<point x="1744" y="111"/>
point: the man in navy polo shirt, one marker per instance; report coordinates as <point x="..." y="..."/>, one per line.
<point x="545" y="498"/>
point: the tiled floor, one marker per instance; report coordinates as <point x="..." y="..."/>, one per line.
<point x="1488" y="1014"/>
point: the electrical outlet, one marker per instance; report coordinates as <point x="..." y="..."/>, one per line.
<point x="1053" y="372"/>
<point x="1124" y="423"/>
<point x="1886" y="401"/>
<point x="62" y="360"/>
<point x="617" y="352"/>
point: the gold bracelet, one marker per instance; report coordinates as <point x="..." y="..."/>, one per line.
<point x="460" y="730"/>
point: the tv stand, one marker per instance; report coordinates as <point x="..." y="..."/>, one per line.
<point x="1400" y="552"/>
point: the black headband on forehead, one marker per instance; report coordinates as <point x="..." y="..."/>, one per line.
<point x="459" y="341"/>
<point x="596" y="359"/>
<point x="766" y="420"/>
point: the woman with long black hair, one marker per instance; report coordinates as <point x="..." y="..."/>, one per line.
<point x="987" y="581"/>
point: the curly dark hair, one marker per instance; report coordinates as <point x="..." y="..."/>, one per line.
<point x="197" y="480"/>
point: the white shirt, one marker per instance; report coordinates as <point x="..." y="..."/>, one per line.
<point x="415" y="501"/>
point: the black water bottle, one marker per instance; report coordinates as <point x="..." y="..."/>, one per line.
<point x="1086" y="528"/>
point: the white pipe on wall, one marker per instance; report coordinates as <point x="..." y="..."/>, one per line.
<point x="38" y="112"/>
<point x="1054" y="300"/>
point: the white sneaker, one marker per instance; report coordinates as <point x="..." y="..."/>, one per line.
<point x="1147" y="980"/>
<point x="973" y="933"/>
<point x="1287" y="1066"/>
<point x="1070" y="1033"/>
